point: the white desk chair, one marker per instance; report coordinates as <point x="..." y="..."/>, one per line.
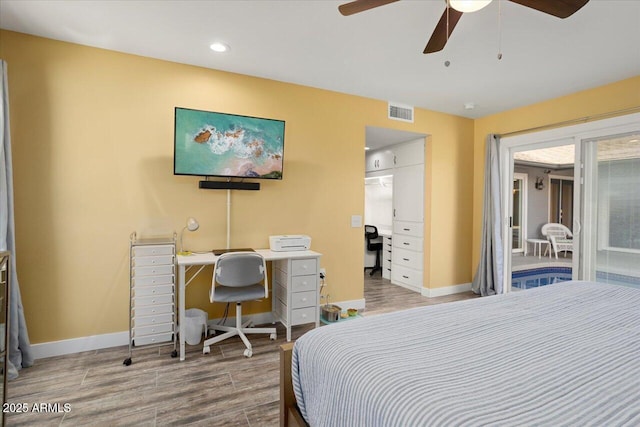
<point x="560" y="237"/>
<point x="237" y="277"/>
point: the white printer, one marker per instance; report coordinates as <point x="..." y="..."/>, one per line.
<point x="293" y="242"/>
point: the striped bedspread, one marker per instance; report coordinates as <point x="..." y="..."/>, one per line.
<point x="562" y="355"/>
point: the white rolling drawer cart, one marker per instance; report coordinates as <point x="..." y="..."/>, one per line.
<point x="152" y="293"/>
<point x="296" y="292"/>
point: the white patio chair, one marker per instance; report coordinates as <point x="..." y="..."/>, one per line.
<point x="560" y="237"/>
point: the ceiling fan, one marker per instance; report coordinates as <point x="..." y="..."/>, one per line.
<point x="453" y="12"/>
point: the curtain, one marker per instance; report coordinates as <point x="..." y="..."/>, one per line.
<point x="488" y="279"/>
<point x="20" y="355"/>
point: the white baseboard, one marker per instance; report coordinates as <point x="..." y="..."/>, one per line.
<point x="78" y="345"/>
<point x="446" y="290"/>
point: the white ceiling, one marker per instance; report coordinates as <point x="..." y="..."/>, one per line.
<point x="376" y="54"/>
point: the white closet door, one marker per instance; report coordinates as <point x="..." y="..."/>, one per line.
<point x="408" y="193"/>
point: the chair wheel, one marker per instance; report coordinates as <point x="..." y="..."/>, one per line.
<point x="206" y="350"/>
<point x="248" y="353"/>
<point x="273" y="336"/>
<point x="174" y="353"/>
<point x="127" y="361"/>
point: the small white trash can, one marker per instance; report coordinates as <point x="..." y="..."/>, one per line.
<point x="195" y="325"/>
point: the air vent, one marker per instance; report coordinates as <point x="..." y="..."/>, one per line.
<point x="400" y="112"/>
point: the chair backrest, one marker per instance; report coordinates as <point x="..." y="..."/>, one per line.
<point x="240" y="269"/>
<point x="370" y="232"/>
<point x="559" y="231"/>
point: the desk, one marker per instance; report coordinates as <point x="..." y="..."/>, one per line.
<point x="537" y="244"/>
<point x="283" y="287"/>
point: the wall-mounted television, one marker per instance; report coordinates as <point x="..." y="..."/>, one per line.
<point x="227" y="145"/>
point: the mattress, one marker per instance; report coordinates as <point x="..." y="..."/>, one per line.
<point x="564" y="354"/>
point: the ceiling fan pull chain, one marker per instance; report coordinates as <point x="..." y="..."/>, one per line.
<point x="499" y="30"/>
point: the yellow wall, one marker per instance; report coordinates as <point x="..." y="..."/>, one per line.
<point x="601" y="100"/>
<point x="92" y="138"/>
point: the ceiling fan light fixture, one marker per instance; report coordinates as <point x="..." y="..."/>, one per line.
<point x="468" y="5"/>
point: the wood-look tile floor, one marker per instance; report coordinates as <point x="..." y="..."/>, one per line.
<point x="222" y="388"/>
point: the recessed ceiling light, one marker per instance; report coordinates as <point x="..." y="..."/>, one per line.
<point x="367" y="148"/>
<point x="219" y="47"/>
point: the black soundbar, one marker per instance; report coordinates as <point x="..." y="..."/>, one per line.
<point x="226" y="185"/>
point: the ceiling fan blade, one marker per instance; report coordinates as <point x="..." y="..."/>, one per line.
<point x="439" y="37"/>
<point x="361" y="5"/>
<point x="560" y="8"/>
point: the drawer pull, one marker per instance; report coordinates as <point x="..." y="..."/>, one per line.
<point x="304" y="316"/>
<point x="406" y="277"/>
<point x="304" y="300"/>
<point x="406" y="229"/>
<point x="406" y="244"/>
<point x="405" y="259"/>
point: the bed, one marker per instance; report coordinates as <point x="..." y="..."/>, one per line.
<point x="563" y="354"/>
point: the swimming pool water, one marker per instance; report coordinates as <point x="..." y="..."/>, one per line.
<point x="527" y="279"/>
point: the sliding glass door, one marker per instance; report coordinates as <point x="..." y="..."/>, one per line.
<point x="612" y="209"/>
<point x="605" y="214"/>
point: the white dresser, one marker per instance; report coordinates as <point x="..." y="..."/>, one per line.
<point x="152" y="295"/>
<point x="296" y="292"/>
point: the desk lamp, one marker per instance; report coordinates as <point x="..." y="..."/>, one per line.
<point x="192" y="225"/>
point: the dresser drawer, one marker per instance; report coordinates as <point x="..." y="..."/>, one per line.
<point x="145" y="291"/>
<point x="408" y="228"/>
<point x="152" y="310"/>
<point x="153" y="300"/>
<point x="300" y="316"/>
<point x="303" y="299"/>
<point x="407" y="276"/>
<point x="406" y="258"/>
<point x="153" y="320"/>
<point x="167" y="279"/>
<point x="153" y="270"/>
<point x="152" y="260"/>
<point x="153" y="339"/>
<point x="408" y="242"/>
<point x="139" y="331"/>
<point x="153" y="250"/>
<point x="302" y="267"/>
<point x="304" y="283"/>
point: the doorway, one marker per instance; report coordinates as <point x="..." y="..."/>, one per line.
<point x="533" y="260"/>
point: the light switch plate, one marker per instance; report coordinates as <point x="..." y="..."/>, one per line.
<point x="356" y="221"/>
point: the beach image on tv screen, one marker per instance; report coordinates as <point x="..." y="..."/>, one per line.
<point x="217" y="144"/>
